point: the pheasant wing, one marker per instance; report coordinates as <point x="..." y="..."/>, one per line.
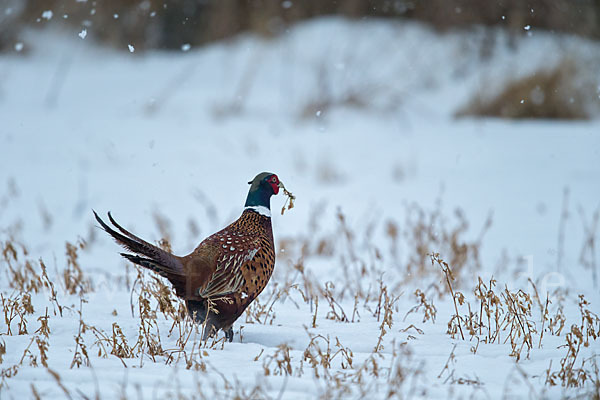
<point x="228" y="277"/>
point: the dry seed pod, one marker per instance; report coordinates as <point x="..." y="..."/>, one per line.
<point x="290" y="198"/>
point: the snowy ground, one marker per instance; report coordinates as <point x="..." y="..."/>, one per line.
<point x="360" y="123"/>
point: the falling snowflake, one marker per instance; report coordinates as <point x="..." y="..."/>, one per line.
<point x="83" y="33"/>
<point x="131" y="48"/>
<point x="186" y="47"/>
<point x="47" y="15"/>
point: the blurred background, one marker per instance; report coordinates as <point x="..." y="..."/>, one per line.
<point x="488" y="106"/>
<point x="567" y="89"/>
<point x="156" y="24"/>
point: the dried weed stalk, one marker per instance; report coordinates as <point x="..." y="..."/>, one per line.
<point x="429" y="310"/>
<point x="15" y="309"/>
<point x="387" y="320"/>
<point x="587" y="255"/>
<point x="507" y="314"/>
<point x="2" y="350"/>
<point x="73" y="279"/>
<point x="336" y="312"/>
<point x="21" y="276"/>
<point x="570" y="374"/>
<point x="456" y="321"/>
<point x="517" y="321"/>
<point x="278" y="363"/>
<point x="80" y="355"/>
<point x="320" y="355"/>
<point x="148" y="341"/>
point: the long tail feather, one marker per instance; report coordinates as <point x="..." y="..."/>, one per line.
<point x="157" y="257"/>
<point x="146" y="263"/>
<point x="127" y="233"/>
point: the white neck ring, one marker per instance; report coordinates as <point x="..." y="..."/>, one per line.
<point x="262" y="210"/>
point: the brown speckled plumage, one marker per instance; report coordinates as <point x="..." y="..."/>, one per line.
<point x="244" y="259"/>
<point x="229" y="269"/>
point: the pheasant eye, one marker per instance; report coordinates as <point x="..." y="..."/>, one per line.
<point x="274" y="180"/>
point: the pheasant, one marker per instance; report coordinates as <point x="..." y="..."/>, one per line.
<point x="227" y="270"/>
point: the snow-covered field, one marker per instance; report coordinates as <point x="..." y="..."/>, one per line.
<point x="356" y="119"/>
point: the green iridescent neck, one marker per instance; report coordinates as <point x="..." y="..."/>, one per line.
<point x="258" y="196"/>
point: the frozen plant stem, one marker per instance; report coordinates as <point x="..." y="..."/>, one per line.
<point x="435" y="258"/>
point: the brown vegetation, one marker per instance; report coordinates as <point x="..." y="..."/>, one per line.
<point x="483" y="313"/>
<point x="563" y="92"/>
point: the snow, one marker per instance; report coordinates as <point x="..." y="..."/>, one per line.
<point x="83" y="33"/>
<point x="167" y="142"/>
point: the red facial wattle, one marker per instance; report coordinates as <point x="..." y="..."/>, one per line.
<point x="275" y="184"/>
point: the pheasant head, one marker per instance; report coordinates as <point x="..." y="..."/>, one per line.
<point x="262" y="187"/>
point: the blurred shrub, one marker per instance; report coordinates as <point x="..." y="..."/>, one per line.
<point x="169" y="24"/>
<point x="581" y="17"/>
<point x="564" y="92"/>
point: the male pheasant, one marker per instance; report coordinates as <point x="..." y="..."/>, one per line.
<point x="227" y="271"/>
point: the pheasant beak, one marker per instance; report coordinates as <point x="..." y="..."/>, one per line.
<point x="280" y="186"/>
